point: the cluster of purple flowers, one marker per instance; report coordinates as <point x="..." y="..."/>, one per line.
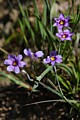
<point x="62" y="23"/>
<point x="14" y="62"/>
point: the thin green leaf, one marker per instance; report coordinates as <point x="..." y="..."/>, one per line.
<point x="48" y="5"/>
<point x="42" y="30"/>
<point x="22" y="28"/>
<point x="28" y="25"/>
<point x="36" y="8"/>
<point x="11" y="37"/>
<point x="44" y="19"/>
<point x="16" y="80"/>
<point x="66" y="68"/>
<point x="21" y="9"/>
<point x="62" y="82"/>
<point x="69" y="84"/>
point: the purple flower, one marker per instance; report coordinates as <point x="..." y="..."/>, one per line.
<point x="61" y="21"/>
<point x="53" y="58"/>
<point x="28" y="52"/>
<point x="64" y="35"/>
<point x="14" y="62"/>
<point x="32" y="55"/>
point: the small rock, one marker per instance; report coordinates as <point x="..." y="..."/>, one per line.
<point x="14" y="15"/>
<point x="8" y="27"/>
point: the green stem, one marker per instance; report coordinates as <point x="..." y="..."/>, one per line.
<point x="50" y="89"/>
<point x="71" y="102"/>
<point x="49" y="101"/>
<point x="62" y="95"/>
<point x="4" y="51"/>
<point x="44" y="73"/>
<point x="59" y="50"/>
<point x="66" y="45"/>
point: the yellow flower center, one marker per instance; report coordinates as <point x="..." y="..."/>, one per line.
<point x="14" y="63"/>
<point x="61" y="22"/>
<point x="64" y="36"/>
<point x="52" y="58"/>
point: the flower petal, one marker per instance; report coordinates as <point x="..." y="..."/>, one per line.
<point x="11" y="57"/>
<point x="28" y="52"/>
<point x="39" y="54"/>
<point x="62" y="38"/>
<point x="70" y="34"/>
<point x="68" y="38"/>
<point x="67" y="19"/>
<point x="58" y="35"/>
<point x="19" y="57"/>
<point x="16" y="70"/>
<point x="58" y="59"/>
<point x="10" y="68"/>
<point x="55" y="24"/>
<point x="22" y="64"/>
<point x="61" y="16"/>
<point x="52" y="63"/>
<point x="66" y="24"/>
<point x="8" y="62"/>
<point x="58" y="56"/>
<point x="47" y="60"/>
<point x="66" y="31"/>
<point x="55" y="19"/>
<point x="53" y="53"/>
<point x="60" y="30"/>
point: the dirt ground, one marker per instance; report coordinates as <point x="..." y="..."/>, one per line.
<point x="14" y="100"/>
